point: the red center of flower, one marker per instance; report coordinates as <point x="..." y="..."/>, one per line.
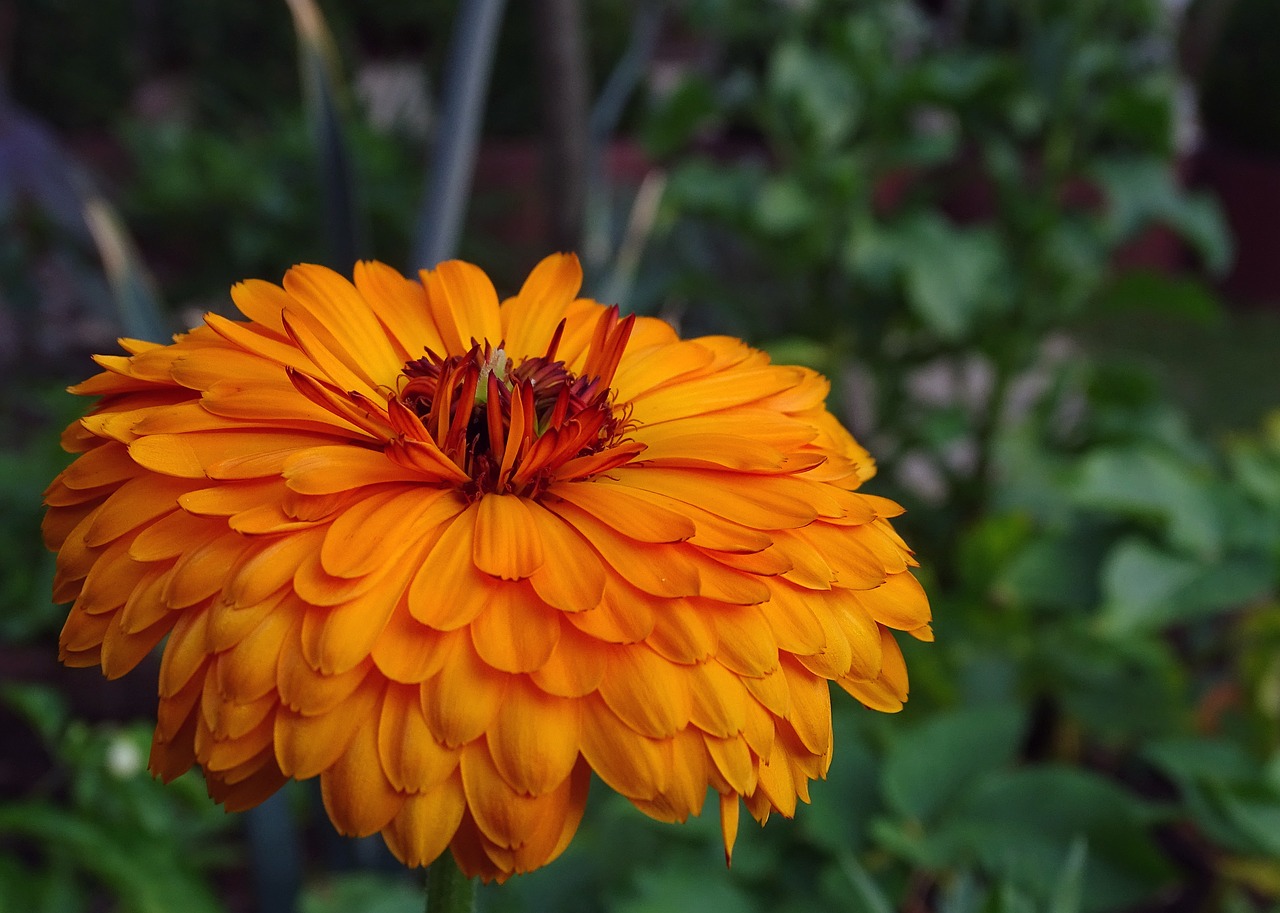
<point x="516" y="428"/>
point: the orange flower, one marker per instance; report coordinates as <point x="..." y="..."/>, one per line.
<point x="452" y="556"/>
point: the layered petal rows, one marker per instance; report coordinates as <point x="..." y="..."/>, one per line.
<point x="452" y="556"/>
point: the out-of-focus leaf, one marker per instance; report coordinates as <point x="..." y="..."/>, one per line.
<point x="1225" y="790"/>
<point x="951" y="274"/>
<point x="867" y="894"/>
<point x="1146" y="483"/>
<point x="151" y="874"/>
<point x="679" y="116"/>
<point x="131" y="283"/>
<point x="930" y="767"/>
<point x="680" y="887"/>
<point x="783" y="206"/>
<point x="1141" y="191"/>
<point x="1153" y="292"/>
<point x="1054" y="572"/>
<point x="368" y="892"/>
<point x="1140" y="583"/>
<point x="42" y="707"/>
<point x="1120" y="688"/>
<point x="814" y="92"/>
<point x="1021" y="825"/>
<point x="318" y="62"/>
<point x="846" y="799"/>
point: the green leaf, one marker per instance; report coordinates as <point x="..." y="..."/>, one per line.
<point x="1147" y="483"/>
<point x="815" y="92"/>
<point x="784" y="207"/>
<point x="929" y="767"/>
<point x="1160" y="293"/>
<point x="368" y="892"/>
<point x="683" y="887"/>
<point x="1144" y="190"/>
<point x="679" y="116"/>
<point x="950" y="274"/>
<point x="1139" y="583"/>
<point x="869" y="895"/>
<point x="1023" y="825"/>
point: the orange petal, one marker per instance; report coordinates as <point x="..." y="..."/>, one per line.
<point x="426" y="822"/>
<point x="357" y="795"/>
<point x="631" y="764"/>
<point x="533" y="740"/>
<point x="400" y="305"/>
<point x="719" y="700"/>
<point x="529" y="318"/>
<point x="408" y="651"/>
<point x="359" y="540"/>
<point x="682" y="632"/>
<point x="627" y="511"/>
<point x="412" y="759"/>
<point x="729" y="824"/>
<point x="516" y="632"/>
<point x="448" y="590"/>
<point x="328" y="469"/>
<point x="574" y="580"/>
<point x="506" y="543"/>
<point x="309" y="745"/>
<point x="647" y="693"/>
<point x="461" y="700"/>
<point x="574" y="668"/>
<point x="464" y="305"/>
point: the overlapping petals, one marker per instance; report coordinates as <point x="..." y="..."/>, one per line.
<point x="453" y="556"/>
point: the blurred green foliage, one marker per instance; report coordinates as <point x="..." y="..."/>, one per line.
<point x="98" y="819"/>
<point x="938" y="205"/>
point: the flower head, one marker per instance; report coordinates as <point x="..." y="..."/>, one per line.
<point x="452" y="556"/>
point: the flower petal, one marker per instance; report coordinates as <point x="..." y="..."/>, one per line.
<point x="506" y="542"/>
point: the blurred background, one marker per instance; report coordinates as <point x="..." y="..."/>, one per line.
<point x="1035" y="244"/>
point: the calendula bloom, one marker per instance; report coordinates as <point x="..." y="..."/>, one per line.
<point x="452" y="556"/>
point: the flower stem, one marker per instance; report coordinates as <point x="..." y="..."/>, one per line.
<point x="448" y="890"/>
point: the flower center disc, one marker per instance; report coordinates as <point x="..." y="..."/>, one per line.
<point x="515" y="429"/>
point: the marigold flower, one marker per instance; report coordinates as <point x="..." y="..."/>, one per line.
<point x="452" y="556"/>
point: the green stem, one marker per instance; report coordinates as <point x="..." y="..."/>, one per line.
<point x="448" y="890"/>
